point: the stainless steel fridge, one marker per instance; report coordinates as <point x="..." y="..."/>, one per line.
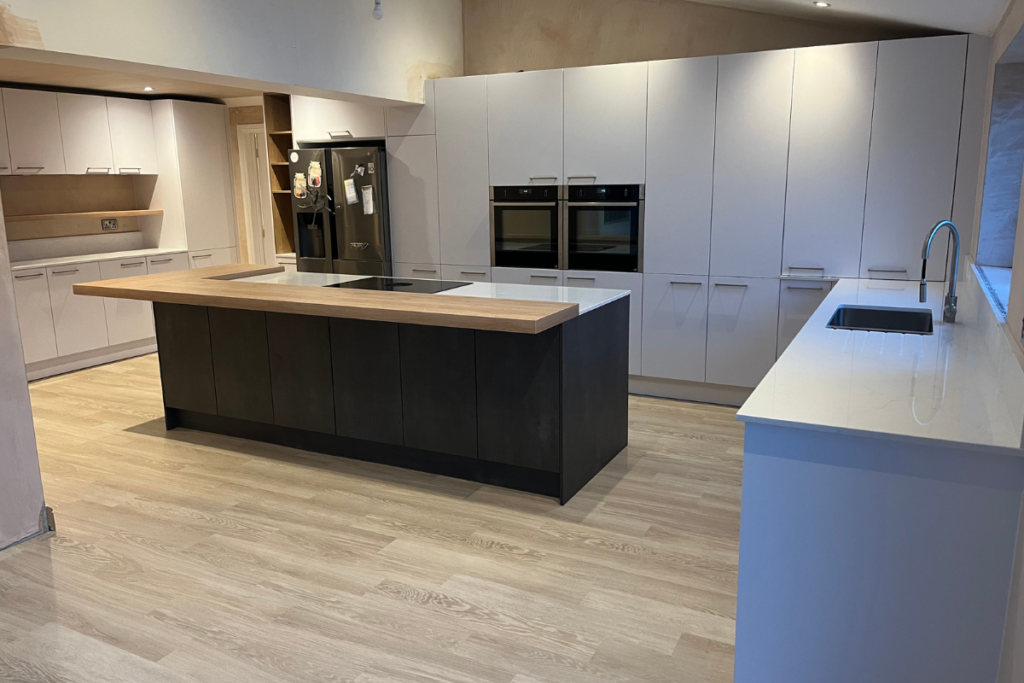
<point x="340" y="210"/>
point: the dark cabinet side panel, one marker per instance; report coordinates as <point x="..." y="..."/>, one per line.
<point x="186" y="359"/>
<point x="367" y="380"/>
<point x="518" y="398"/>
<point x="439" y="389"/>
<point x="300" y="371"/>
<point x="241" y="364"/>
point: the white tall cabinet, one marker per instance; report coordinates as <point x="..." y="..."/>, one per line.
<point x="605" y="134"/>
<point x="460" y="111"/>
<point x="913" y="157"/>
<point x="33" y="131"/>
<point x="680" y="165"/>
<point x="412" y="172"/>
<point x="751" y="149"/>
<point x="833" y="92"/>
<point x="524" y="128"/>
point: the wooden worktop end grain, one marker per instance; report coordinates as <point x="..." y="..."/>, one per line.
<point x="218" y="286"/>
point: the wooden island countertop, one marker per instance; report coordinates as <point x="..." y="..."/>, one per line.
<point x="219" y="286"/>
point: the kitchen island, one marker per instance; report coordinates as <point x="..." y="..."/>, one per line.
<point x="881" y="516"/>
<point x="513" y="385"/>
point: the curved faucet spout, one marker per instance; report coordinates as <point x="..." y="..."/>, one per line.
<point x="949" y="307"/>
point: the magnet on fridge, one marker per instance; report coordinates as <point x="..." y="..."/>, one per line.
<point x="367" y="199"/>
<point x="370" y="167"/>
<point x="350" y="191"/>
<point x="314" y="174"/>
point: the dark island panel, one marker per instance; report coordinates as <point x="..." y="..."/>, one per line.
<point x="367" y="380"/>
<point x="186" y="357"/>
<point x="241" y="364"/>
<point x="300" y="371"/>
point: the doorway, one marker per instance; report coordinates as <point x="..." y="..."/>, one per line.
<point x="252" y="155"/>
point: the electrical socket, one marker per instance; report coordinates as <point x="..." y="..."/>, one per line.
<point x="108" y="223"/>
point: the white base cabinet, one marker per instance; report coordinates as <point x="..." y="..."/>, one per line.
<point x="798" y="299"/>
<point x="212" y="257"/>
<point x="527" y="276"/>
<point x="675" y="326"/>
<point x="423" y="271"/>
<point x="35" y="317"/>
<point x="634" y="282"/>
<point x="466" y="273"/>
<point x="80" y="322"/>
<point x="743" y="323"/>
<point x="128" y="320"/>
<point x="166" y="263"/>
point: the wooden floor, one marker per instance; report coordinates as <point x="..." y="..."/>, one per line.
<point x="194" y="557"/>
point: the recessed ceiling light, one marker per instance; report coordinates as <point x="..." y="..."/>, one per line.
<point x="148" y="88"/>
<point x="822" y="4"/>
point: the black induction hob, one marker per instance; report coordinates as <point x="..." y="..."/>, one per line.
<point x="400" y="284"/>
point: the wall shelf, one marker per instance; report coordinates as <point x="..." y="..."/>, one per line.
<point x="82" y="214"/>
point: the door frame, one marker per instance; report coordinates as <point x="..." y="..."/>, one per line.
<point x="258" y="244"/>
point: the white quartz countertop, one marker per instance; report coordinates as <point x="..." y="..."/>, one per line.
<point x="90" y="258"/>
<point x="587" y="298"/>
<point x="961" y="385"/>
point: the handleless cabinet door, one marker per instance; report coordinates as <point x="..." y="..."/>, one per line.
<point x="33" y="131"/>
<point x="634" y="282"/>
<point x="675" y="326"/>
<point x="131" y="136"/>
<point x="461" y="113"/>
<point x="127" y="319"/>
<point x="798" y="299"/>
<point x="32" y="297"/>
<point x="912" y="164"/>
<point x="5" y="150"/>
<point x="743" y="323"/>
<point x="605" y="123"/>
<point x="412" y="170"/>
<point x="751" y="148"/>
<point x="79" y="321"/>
<point x="527" y="276"/>
<point x="833" y="93"/>
<point x="317" y="119"/>
<point x="680" y="165"/>
<point x="524" y="128"/>
<point x="85" y="132"/>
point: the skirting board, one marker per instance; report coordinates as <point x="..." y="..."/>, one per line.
<point x="87" y="359"/>
<point x="698" y="392"/>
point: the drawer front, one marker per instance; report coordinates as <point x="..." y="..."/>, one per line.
<point x="127" y="320"/>
<point x="80" y="322"/>
<point x="527" y="276"/>
<point x="423" y="271"/>
<point x="167" y="263"/>
<point x="32" y="297"/>
<point x="466" y="273"/>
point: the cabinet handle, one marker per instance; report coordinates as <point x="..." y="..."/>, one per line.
<point x="728" y="284"/>
<point x="553" y="277"/>
<point x="887" y="270"/>
<point x="31" y="168"/>
<point x="65" y="272"/>
<point x="28" y="277"/>
<point x="424" y="270"/>
<point x="4" y="168"/>
<point x="472" y="272"/>
<point x="133" y="265"/>
<point x="159" y="261"/>
<point x="806" y="268"/>
<point x="335" y="134"/>
<point x="684" y="282"/>
<point x="130" y="170"/>
<point x="581" y="177"/>
<point x="818" y="288"/>
<point x="578" y="277"/>
<point x="543" y="177"/>
<point x="97" y="169"/>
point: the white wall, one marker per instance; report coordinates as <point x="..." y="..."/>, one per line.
<point x="328" y="45"/>
<point x="21" y="488"/>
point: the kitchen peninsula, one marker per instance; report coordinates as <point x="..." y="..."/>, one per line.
<point x="514" y="385"/>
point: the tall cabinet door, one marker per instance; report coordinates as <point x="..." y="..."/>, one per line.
<point x="131" y="136"/>
<point x="460" y="113"/>
<point x="743" y="323"/>
<point x="412" y="171"/>
<point x="5" y="151"/>
<point x="912" y="164"/>
<point x="751" y="148"/>
<point x="675" y="326"/>
<point x="33" y="131"/>
<point x="680" y="165"/>
<point x="833" y="93"/>
<point x="85" y="132"/>
<point x="605" y="125"/>
<point x="524" y="128"/>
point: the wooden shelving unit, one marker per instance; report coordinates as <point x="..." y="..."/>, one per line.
<point x="82" y="214"/>
<point x="277" y="116"/>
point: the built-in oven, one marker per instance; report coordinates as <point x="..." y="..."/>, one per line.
<point x="604" y="228"/>
<point x="526" y="226"/>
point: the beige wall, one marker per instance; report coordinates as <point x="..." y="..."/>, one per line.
<point x="509" y="35"/>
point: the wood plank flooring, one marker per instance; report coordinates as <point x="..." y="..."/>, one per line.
<point x="200" y="558"/>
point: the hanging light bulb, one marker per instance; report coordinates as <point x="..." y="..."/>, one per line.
<point x="378" y="11"/>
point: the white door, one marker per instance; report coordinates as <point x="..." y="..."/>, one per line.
<point x="166" y="263"/>
<point x="207" y="188"/>
<point x="527" y="276"/>
<point x="79" y="321"/>
<point x="675" y="326"/>
<point x="33" y="131"/>
<point x="128" y="320"/>
<point x="252" y="150"/>
<point x="460" y="110"/>
<point x="798" y="301"/>
<point x="85" y="132"/>
<point x="634" y="282"/>
<point x="680" y="165"/>
<point x="470" y="273"/>
<point x="524" y="128"/>
<point x="422" y="271"/>
<point x="317" y="119"/>
<point x="412" y="175"/>
<point x="5" y="150"/>
<point x="131" y="136"/>
<point x="605" y="125"/>
<point x="751" y="148"/>
<point x="912" y="164"/>
<point x="833" y="94"/>
<point x="32" y="298"/>
<point x="743" y="323"/>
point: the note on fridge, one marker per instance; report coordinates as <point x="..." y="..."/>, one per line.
<point x="367" y="199"/>
<point x="350" y="192"/>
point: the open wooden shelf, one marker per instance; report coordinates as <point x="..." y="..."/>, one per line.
<point x="278" y="163"/>
<point x="82" y="214"/>
<point x="280" y="132"/>
<point x="281" y="191"/>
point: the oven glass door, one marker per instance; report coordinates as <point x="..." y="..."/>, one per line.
<point x="525" y="234"/>
<point x="603" y="236"/>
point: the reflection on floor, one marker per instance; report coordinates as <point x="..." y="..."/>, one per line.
<point x="194" y="557"/>
<point x="995" y="281"/>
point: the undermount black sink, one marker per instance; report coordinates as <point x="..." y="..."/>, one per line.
<point x="883" y="319"/>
